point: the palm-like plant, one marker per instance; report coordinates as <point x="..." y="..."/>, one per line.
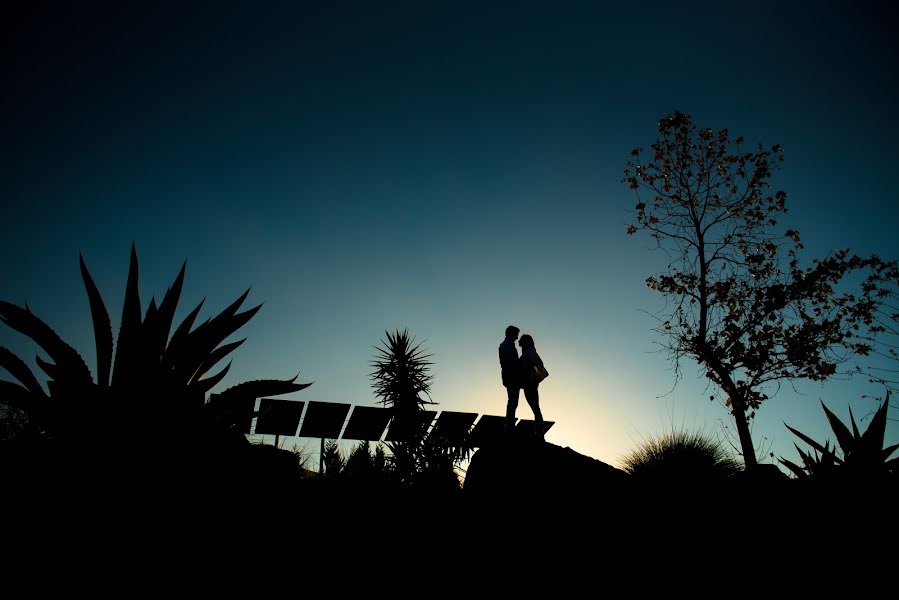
<point x="155" y="386"/>
<point x="401" y="379"/>
<point x="401" y="374"/>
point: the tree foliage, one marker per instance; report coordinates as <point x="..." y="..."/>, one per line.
<point x="738" y="301"/>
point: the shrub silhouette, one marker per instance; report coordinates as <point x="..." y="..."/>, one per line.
<point x="680" y="455"/>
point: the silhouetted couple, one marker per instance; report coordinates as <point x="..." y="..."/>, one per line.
<point x="522" y="373"/>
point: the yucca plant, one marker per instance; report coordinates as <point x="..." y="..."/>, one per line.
<point x="152" y="388"/>
<point x="401" y="379"/>
<point x="863" y="455"/>
<point x="401" y="374"/>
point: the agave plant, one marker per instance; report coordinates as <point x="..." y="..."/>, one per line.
<point x="863" y="455"/>
<point x="152" y="388"/>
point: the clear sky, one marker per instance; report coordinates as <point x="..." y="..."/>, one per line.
<point x="447" y="167"/>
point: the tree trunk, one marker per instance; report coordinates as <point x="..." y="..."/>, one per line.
<point x="739" y="412"/>
<point x="723" y="377"/>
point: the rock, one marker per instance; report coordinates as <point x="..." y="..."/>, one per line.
<point x="524" y="469"/>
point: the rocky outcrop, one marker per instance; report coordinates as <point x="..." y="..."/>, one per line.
<point x="523" y="469"/>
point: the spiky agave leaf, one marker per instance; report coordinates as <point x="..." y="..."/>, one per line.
<point x="870" y="445"/>
<point x="197" y="346"/>
<point x="846" y="440"/>
<point x="829" y="457"/>
<point x="102" y="326"/>
<point x="52" y="371"/>
<point x="263" y="387"/>
<point x="159" y="337"/>
<point x="214" y="357"/>
<point x="152" y="312"/>
<point x="147" y="364"/>
<point x="124" y="368"/>
<point x="234" y="406"/>
<point x="69" y="366"/>
<point x="819" y="465"/>
<point x="180" y="336"/>
<point x="200" y="346"/>
<point x="855" y="432"/>
<point x="806" y="457"/>
<point x="207" y="383"/>
<point x="806" y="439"/>
<point x="887" y="452"/>
<point x="796" y="469"/>
<point x="877" y="429"/>
<point x="18" y="369"/>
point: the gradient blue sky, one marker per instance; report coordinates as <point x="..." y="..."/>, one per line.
<point x="446" y="167"/>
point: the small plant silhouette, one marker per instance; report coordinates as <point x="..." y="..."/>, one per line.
<point x="401" y="374"/>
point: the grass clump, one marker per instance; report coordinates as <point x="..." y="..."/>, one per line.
<point x="680" y="455"/>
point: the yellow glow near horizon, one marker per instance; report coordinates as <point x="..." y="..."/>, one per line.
<point x="585" y="414"/>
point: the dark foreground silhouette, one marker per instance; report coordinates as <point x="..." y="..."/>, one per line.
<point x="524" y="505"/>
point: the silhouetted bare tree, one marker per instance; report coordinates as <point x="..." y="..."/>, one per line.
<point x="738" y="301"/>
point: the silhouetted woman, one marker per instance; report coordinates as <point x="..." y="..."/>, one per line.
<point x="533" y="372"/>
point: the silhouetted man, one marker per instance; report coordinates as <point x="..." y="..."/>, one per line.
<point x="511" y="369"/>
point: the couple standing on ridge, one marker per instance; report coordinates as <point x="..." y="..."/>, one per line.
<point x="525" y="372"/>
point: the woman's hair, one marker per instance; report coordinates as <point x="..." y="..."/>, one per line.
<point x="526" y="341"/>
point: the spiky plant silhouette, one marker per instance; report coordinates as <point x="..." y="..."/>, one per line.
<point x="401" y="378"/>
<point x="401" y="373"/>
<point x="152" y="388"/>
<point x="863" y="456"/>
